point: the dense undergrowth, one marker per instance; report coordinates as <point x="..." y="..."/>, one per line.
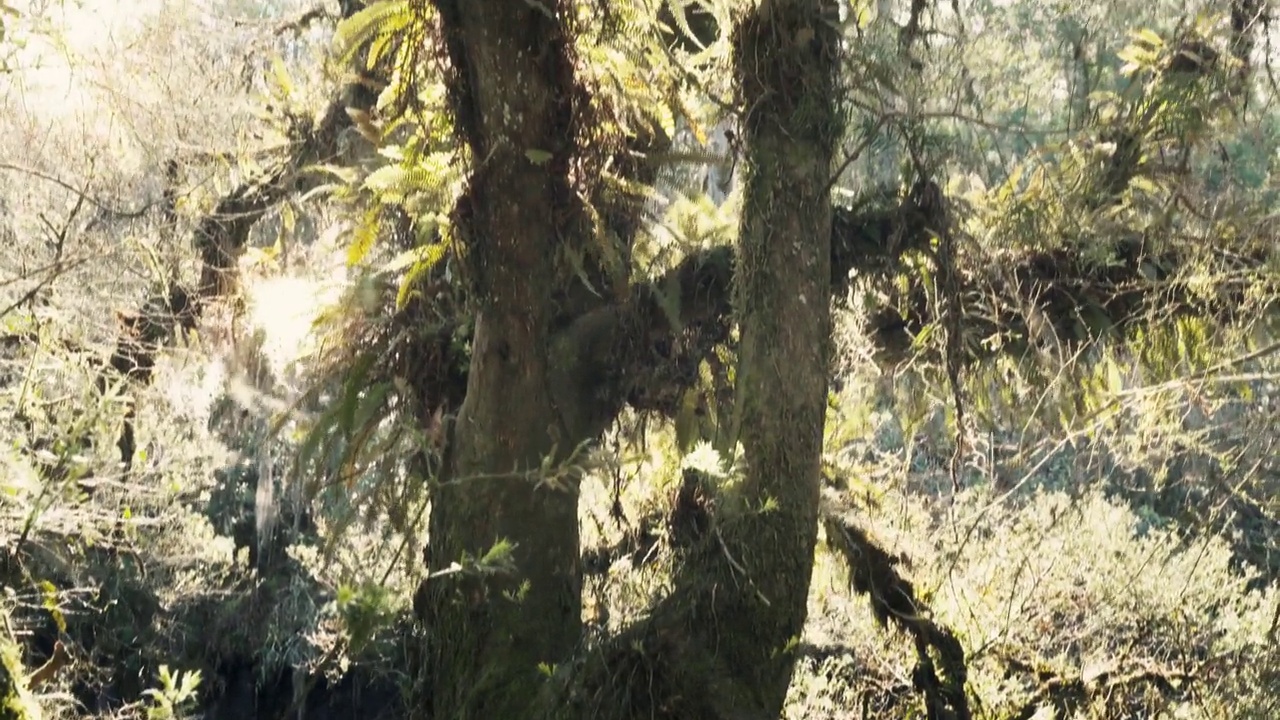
<point x="1099" y="537"/>
<point x="1108" y="571"/>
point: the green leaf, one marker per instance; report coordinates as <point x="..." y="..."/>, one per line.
<point x="1137" y="55"/>
<point x="427" y="257"/>
<point x="537" y="157"/>
<point x="1149" y="37"/>
<point x="280" y="74"/>
<point x="1115" y="383"/>
<point x="394" y="183"/>
<point x="381" y="18"/>
<point x="576" y="262"/>
<point x="686" y="422"/>
<point x="365" y="235"/>
<point x="1144" y="184"/>
<point x="311" y="444"/>
<point x="370" y="405"/>
<point x="346" y="175"/>
<point x="288" y="220"/>
<point x="499" y="557"/>
<point x="351" y="395"/>
<point x="50" y="594"/>
<point x="377" y="49"/>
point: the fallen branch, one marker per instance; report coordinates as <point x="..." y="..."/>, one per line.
<point x="1058" y="299"/>
<point x="873" y="573"/>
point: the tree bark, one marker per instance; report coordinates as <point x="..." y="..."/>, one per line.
<point x="492" y="624"/>
<point x="722" y="643"/>
<point x="786" y="56"/>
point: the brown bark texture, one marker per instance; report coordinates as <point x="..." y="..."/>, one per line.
<point x="493" y="624"/>
<point x="722" y="643"/>
<point x="786" y="61"/>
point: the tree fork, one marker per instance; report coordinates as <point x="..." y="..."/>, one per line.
<point x="721" y="644"/>
<point x="786" y="55"/>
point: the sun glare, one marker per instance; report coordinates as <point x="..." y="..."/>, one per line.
<point x="284" y="309"/>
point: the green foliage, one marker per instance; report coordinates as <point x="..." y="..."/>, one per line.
<point x="16" y="702"/>
<point x="418" y="169"/>
<point x="372" y="29"/>
<point x="1069" y="586"/>
<point x="366" y="611"/>
<point x="1059" y="131"/>
<point x="177" y="691"/>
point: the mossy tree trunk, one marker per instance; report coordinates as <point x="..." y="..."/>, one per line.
<point x="512" y="91"/>
<point x="722" y="643"/>
<point x="786" y="61"/>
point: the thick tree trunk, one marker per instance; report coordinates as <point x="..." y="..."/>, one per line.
<point x="786" y="57"/>
<point x="492" y="625"/>
<point x="722" y="644"/>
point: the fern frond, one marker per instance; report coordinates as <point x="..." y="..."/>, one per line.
<point x="280" y="74"/>
<point x="420" y="260"/>
<point x="394" y="183"/>
<point x="366" y="234"/>
<point x="377" y="22"/>
<point x="682" y="24"/>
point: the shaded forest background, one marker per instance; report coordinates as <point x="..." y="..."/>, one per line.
<point x="239" y="305"/>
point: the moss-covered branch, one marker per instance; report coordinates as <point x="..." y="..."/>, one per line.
<point x="940" y="672"/>
<point x="646" y="351"/>
<point x="1061" y="299"/>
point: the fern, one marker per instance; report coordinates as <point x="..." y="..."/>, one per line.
<point x="420" y="182"/>
<point x="423" y="258"/>
<point x="365" y="235"/>
<point x="682" y="23"/>
<point x="393" y="183"/>
<point x="373" y="26"/>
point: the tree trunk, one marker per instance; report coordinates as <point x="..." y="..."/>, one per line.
<point x="786" y="57"/>
<point x="722" y="644"/>
<point x="492" y="625"/>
